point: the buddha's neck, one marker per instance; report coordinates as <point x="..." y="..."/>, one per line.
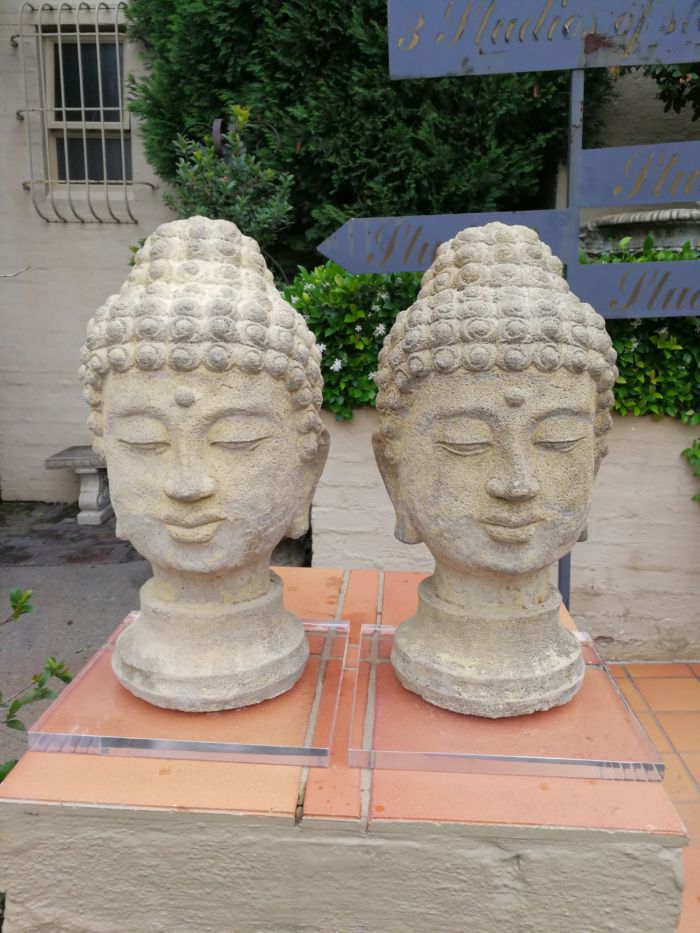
<point x="493" y="592"/>
<point x="228" y="587"/>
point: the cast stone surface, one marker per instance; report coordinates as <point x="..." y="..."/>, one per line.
<point x="205" y="387"/>
<point x="494" y="396"/>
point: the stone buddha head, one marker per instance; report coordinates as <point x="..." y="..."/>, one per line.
<point x="205" y="390"/>
<point x="494" y="404"/>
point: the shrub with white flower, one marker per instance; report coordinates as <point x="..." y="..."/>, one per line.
<point x="350" y="316"/>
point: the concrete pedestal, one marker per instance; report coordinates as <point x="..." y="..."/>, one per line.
<point x="124" y="844"/>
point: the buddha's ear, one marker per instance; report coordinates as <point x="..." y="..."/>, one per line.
<point x="405" y="529"/>
<point x="313" y="467"/>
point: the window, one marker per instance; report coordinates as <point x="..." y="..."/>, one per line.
<point x="78" y="125"/>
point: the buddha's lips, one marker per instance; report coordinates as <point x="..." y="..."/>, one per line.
<point x="191" y="523"/>
<point x="192" y="533"/>
<point x="510" y="523"/>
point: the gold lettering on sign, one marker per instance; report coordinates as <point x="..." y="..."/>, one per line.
<point x="496" y="29"/>
<point x="523" y="28"/>
<point x="553" y="27"/>
<point x="415" y="38"/>
<point x="647" y="288"/>
<point x="642" y="175"/>
<point x="484" y="22"/>
<point x="691" y="178"/>
<point x="542" y="17"/>
<point x="657" y="166"/>
<point x="462" y="25"/>
<point x="624" y="18"/>
<point x="638" y="29"/>
<point x="509" y="31"/>
<point x="569" y="31"/>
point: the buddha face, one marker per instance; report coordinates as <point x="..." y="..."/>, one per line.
<point x="206" y="470"/>
<point x="493" y="470"/>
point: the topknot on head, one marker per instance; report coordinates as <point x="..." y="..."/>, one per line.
<point x="494" y="297"/>
<point x="200" y="294"/>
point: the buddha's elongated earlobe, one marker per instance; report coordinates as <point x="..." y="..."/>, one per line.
<point x="404" y="530"/>
<point x="312" y="474"/>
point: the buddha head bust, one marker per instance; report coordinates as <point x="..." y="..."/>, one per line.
<point x="494" y="403"/>
<point x="205" y="390"/>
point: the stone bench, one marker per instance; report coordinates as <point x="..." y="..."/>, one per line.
<point x="94" y="503"/>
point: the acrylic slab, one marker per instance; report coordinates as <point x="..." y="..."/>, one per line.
<point x="96" y="715"/>
<point x="595" y="735"/>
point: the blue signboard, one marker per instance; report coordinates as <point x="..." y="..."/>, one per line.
<point x="643" y="289"/>
<point x="639" y="175"/>
<point x="435" y="38"/>
<point x="408" y="244"/>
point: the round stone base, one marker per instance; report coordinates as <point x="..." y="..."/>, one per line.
<point x="492" y="667"/>
<point x="191" y="659"/>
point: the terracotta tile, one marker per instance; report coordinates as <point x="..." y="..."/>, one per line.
<point x="335" y="791"/>
<point x="153" y="782"/>
<point x="519" y="800"/>
<point x="677" y="782"/>
<point x="690" y="917"/>
<point x="566" y="619"/>
<point x="400" y="596"/>
<point x="658" y="670"/>
<point x="618" y="671"/>
<point x="594" y="725"/>
<point x="692" y="763"/>
<point x="633" y="696"/>
<point x="666" y="693"/>
<point x="655" y="732"/>
<point x="690" y="815"/>
<point x="695" y="668"/>
<point x="311" y="592"/>
<point x="95" y="703"/>
<point x="360" y="605"/>
<point x="683" y="729"/>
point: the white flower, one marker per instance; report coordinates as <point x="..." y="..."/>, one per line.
<point x="295" y="299"/>
<point x="307" y="287"/>
<point x="696" y="323"/>
<point x="375" y="307"/>
<point x="358" y="328"/>
<point x="336" y="365"/>
<point x="662" y="330"/>
<point x="634" y="345"/>
<point x="321" y="347"/>
<point x="379" y="330"/>
<point x="383" y="295"/>
<point x="306" y="317"/>
<point x="636" y="322"/>
<point x="371" y="375"/>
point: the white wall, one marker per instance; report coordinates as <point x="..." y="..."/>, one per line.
<point x="635" y="582"/>
<point x="72" y="268"/>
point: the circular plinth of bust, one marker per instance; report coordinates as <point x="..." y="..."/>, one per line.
<point x="489" y="666"/>
<point x="202" y="661"/>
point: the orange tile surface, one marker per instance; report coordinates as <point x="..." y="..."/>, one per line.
<point x="678" y="783"/>
<point x="666" y="693"/>
<point x="618" y="671"/>
<point x="690" y="917"/>
<point x="655" y="732"/>
<point x="360" y="605"/>
<point x="692" y="761"/>
<point x="311" y="592"/>
<point x="334" y="792"/>
<point x="400" y="596"/>
<point x="640" y="671"/>
<point x="153" y="782"/>
<point x="633" y="696"/>
<point x="683" y="729"/>
<point x="695" y="668"/>
<point x="528" y="801"/>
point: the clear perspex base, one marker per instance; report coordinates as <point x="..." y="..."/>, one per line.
<point x="96" y="715"/>
<point x="595" y="735"/>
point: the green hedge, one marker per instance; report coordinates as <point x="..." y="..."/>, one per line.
<point x="314" y="75"/>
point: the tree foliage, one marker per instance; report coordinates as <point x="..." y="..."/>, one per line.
<point x="314" y="76"/>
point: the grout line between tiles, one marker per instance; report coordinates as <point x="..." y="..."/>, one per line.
<point x="340" y="605"/>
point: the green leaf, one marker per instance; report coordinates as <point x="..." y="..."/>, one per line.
<point x="16" y="724"/>
<point x="6" y="767"/>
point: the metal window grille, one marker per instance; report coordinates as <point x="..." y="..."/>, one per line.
<point x="78" y="126"/>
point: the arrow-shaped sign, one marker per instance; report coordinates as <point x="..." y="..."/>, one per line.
<point x="408" y="244"/>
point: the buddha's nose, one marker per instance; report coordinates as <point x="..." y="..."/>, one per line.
<point x="516" y="484"/>
<point x="189" y="480"/>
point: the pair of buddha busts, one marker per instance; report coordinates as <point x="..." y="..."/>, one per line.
<point x="494" y="399"/>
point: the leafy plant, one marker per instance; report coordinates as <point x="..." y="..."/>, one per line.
<point x="36" y="689"/>
<point x="234" y="186"/>
<point x="679" y="86"/>
<point x="350" y="314"/>
<point x="357" y="143"/>
<point x="692" y="455"/>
